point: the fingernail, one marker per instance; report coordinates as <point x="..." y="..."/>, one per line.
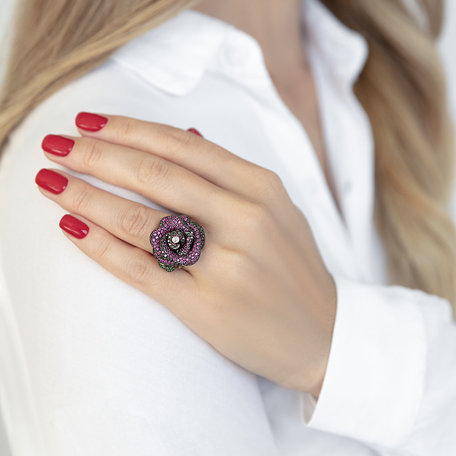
<point x="90" y="122"/>
<point x="51" y="181"/>
<point x="57" y="145"/>
<point x="194" y="130"/>
<point x="74" y="226"/>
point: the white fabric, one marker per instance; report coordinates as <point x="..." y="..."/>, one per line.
<point x="91" y="366"/>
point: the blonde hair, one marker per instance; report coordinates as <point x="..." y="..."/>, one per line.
<point x="402" y="88"/>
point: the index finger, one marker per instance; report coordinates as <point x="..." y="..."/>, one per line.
<point x="182" y="147"/>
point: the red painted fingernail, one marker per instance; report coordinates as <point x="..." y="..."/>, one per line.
<point x="51" y="181"/>
<point x="57" y="145"/>
<point x="74" y="226"/>
<point x="194" y="130"/>
<point x="90" y="122"/>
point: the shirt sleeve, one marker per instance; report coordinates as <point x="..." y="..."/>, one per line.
<point x="391" y="374"/>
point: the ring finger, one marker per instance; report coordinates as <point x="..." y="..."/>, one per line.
<point x="127" y="220"/>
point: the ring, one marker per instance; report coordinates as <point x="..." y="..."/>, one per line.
<point x="177" y="242"/>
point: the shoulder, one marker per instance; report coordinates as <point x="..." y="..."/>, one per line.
<point x="29" y="229"/>
<point x="80" y="324"/>
<point x="109" y="88"/>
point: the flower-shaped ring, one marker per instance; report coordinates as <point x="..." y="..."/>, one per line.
<point x="177" y="242"/>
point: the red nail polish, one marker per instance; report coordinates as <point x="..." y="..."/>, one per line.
<point x="51" y="181"/>
<point x="194" y="130"/>
<point x="74" y="226"/>
<point x="57" y="145"/>
<point x="90" y="122"/>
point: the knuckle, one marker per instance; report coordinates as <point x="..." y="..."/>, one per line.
<point x="255" y="215"/>
<point x="152" y="169"/>
<point x="81" y="199"/>
<point x="135" y="220"/>
<point x="183" y="138"/>
<point x="100" y="247"/>
<point x="271" y="184"/>
<point x="124" y="128"/>
<point x="273" y="179"/>
<point x="236" y="260"/>
<point x="137" y="270"/>
<point x="237" y="266"/>
<point x="93" y="151"/>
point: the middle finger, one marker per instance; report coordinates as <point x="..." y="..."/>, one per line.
<point x="166" y="183"/>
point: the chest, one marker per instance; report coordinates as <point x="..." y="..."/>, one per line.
<point x="299" y="93"/>
<point x="253" y="121"/>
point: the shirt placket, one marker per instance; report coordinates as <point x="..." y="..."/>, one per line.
<point x="349" y="148"/>
<point x="241" y="59"/>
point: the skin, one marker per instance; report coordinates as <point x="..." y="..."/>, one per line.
<point x="276" y="26"/>
<point x="260" y="293"/>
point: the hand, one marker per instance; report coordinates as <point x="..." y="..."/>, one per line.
<point x="260" y="293"/>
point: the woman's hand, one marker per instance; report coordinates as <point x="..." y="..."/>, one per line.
<point x="260" y="293"/>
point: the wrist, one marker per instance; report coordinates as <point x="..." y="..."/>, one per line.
<point x="328" y="329"/>
<point x="309" y="372"/>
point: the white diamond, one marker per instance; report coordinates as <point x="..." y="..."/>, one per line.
<point x="175" y="239"/>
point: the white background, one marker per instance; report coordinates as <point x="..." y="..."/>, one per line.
<point x="447" y="47"/>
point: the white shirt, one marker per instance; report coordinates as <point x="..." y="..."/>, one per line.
<point x="91" y="366"/>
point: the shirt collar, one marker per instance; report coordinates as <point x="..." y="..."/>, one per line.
<point x="343" y="50"/>
<point x="175" y="55"/>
